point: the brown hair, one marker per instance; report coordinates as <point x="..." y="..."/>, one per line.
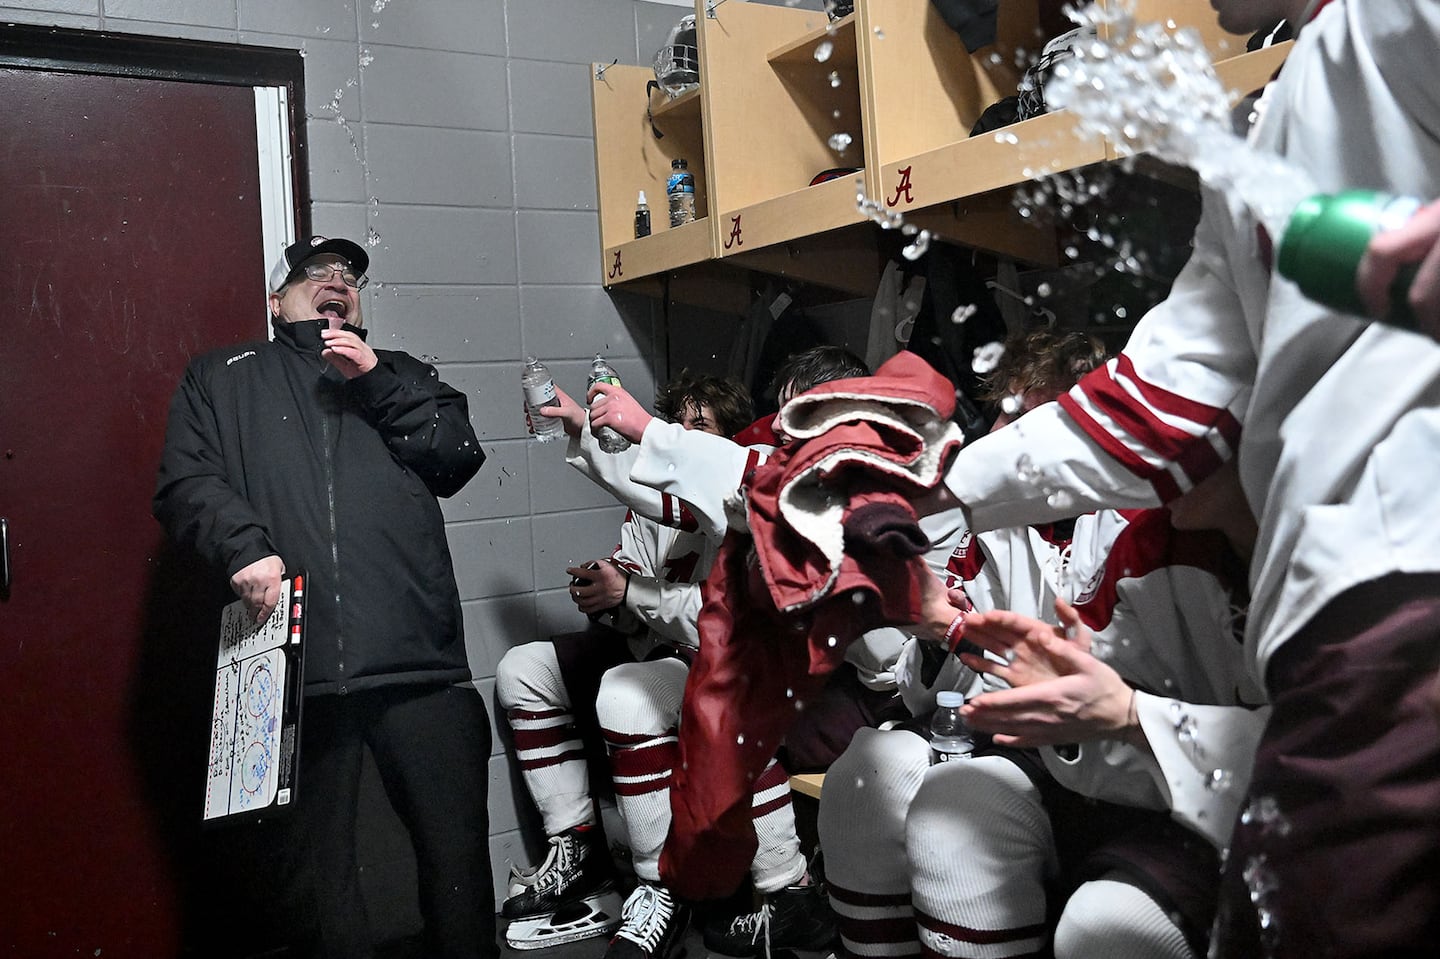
<point x="1043" y="361"/>
<point x="729" y="402"/>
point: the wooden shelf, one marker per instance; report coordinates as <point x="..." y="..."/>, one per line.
<point x="686" y="105"/>
<point x="668" y="249"/>
<point x="900" y="83"/>
<point x="1249" y="72"/>
<point x="773" y="122"/>
<point x="629" y="158"/>
<point x="813" y="209"/>
<point x="802" y="50"/>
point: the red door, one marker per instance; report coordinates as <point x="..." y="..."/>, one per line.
<point x="130" y="240"/>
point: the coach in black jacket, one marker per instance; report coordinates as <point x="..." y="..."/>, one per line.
<point x="314" y="452"/>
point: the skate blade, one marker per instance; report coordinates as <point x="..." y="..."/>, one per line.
<point x="595" y="915"/>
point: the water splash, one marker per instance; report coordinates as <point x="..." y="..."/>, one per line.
<point x="1147" y="89"/>
<point x="1264" y="812"/>
<point x="840" y="142"/>
<point x="823" y="50"/>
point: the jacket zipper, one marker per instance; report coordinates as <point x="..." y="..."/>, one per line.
<point x="334" y="546"/>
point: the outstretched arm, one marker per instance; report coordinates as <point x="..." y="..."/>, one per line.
<point x="1060" y="693"/>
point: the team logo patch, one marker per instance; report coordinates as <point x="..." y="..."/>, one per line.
<point x="1090" y="589"/>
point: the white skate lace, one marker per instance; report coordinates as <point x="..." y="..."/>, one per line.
<point x="554" y="872"/>
<point x="755" y="924"/>
<point x="645" y="917"/>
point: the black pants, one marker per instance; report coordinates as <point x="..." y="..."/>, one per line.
<point x="432" y="748"/>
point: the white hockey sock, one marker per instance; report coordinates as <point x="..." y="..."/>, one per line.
<point x="778" y="861"/>
<point x="979" y="843"/>
<point x="1114" y="919"/>
<point x="867" y="794"/>
<point x="639" y="710"/>
<point x="550" y="751"/>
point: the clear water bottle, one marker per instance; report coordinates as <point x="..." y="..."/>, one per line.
<point x="1324" y="240"/>
<point x="949" y="736"/>
<point x="609" y="440"/>
<point x="539" y="387"/>
<point x="680" y="188"/>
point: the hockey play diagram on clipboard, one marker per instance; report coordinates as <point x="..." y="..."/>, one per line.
<point x="255" y="721"/>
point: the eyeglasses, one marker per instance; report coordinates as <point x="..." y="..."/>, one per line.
<point x="320" y="272"/>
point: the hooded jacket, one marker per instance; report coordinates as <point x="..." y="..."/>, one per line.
<point x="269" y="450"/>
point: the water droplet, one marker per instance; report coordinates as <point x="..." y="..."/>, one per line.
<point x="918" y="247"/>
<point x="963" y="313"/>
<point x="823" y="50"/>
<point x="879" y="34"/>
<point x="835" y="81"/>
<point x="740" y="740"/>
<point x="987" y="357"/>
<point x="1060" y="500"/>
<point x="840" y="142"/>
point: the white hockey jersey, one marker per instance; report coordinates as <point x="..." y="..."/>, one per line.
<point x="1336" y="422"/>
<point x="1160" y="610"/>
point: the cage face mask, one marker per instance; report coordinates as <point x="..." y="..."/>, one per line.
<point x="677" y="63"/>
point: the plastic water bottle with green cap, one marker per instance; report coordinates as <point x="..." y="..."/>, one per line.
<point x="1325" y="239"/>
<point x="609" y="440"/>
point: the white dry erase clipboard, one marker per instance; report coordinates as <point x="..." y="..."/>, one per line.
<point x="255" y="723"/>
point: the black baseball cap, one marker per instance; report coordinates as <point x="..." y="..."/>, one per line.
<point x="288" y="266"/>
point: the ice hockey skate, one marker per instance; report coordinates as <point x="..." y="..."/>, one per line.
<point x="576" y="867"/>
<point x="597" y="914"/>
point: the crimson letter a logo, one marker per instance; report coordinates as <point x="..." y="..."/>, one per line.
<point x="734" y="239"/>
<point x="903" y="187"/>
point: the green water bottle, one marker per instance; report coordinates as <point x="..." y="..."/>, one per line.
<point x="1324" y="240"/>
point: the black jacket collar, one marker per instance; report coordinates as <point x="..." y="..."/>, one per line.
<point x="304" y="335"/>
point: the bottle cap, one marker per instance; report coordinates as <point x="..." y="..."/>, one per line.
<point x="1323" y="242"/>
<point x="950" y="698"/>
<point x="678" y="163"/>
<point x="641" y="201"/>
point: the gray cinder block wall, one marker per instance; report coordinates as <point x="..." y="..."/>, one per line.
<point x="456" y="135"/>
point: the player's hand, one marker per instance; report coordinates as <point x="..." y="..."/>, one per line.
<point x="566" y="410"/>
<point x="349" y="354"/>
<point x="1060" y="692"/>
<point x="613" y="406"/>
<point x="258" y="586"/>
<point x="1417" y="241"/>
<point x="598" y="586"/>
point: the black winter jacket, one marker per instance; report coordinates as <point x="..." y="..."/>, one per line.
<point x="269" y="450"/>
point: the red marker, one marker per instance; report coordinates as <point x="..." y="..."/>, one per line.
<point x="296" y="594"/>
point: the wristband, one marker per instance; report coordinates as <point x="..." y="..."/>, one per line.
<point x="955" y="632"/>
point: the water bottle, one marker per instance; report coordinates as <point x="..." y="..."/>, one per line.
<point x="642" y="217"/>
<point x="949" y="736"/>
<point x="1324" y="240"/>
<point x="609" y="440"/>
<point x="539" y="388"/>
<point x="680" y="188"/>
